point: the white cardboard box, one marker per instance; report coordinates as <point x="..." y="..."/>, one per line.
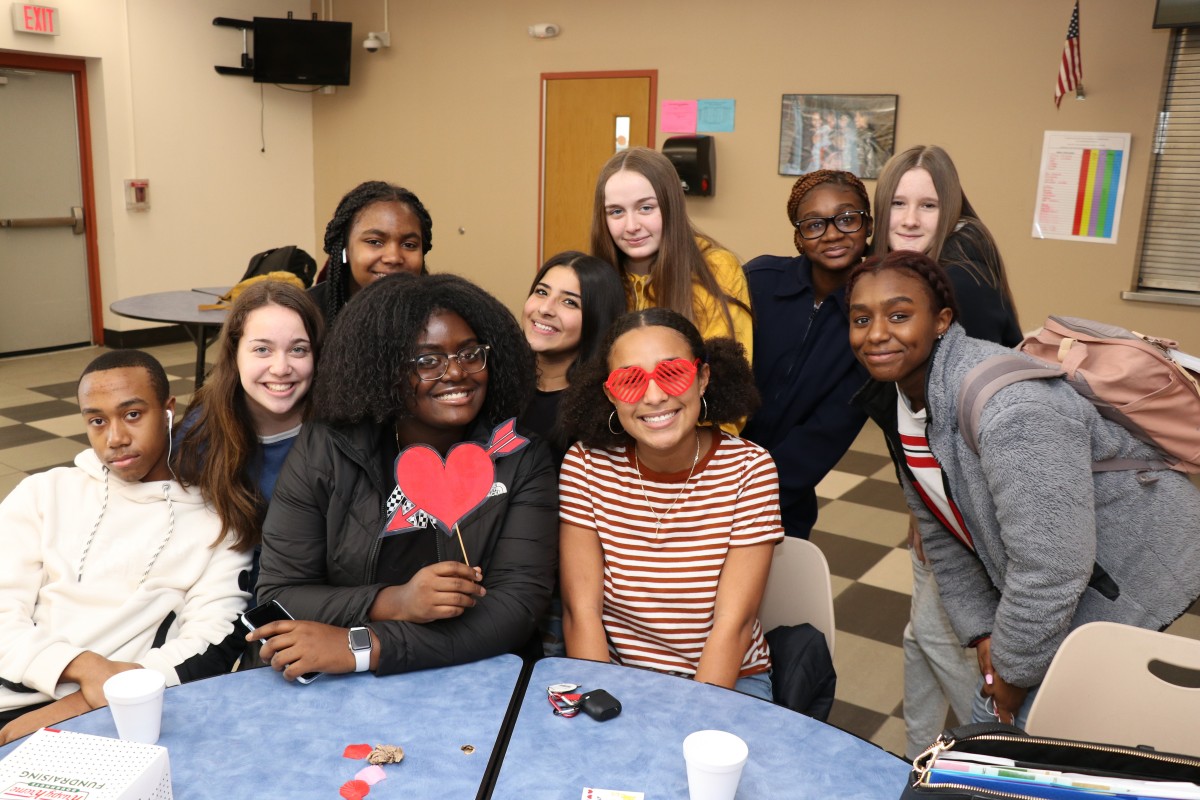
<point x="63" y="765"/>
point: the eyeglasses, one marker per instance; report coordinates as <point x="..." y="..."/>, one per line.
<point x="629" y="384"/>
<point x="434" y="366"/>
<point x="846" y="222"/>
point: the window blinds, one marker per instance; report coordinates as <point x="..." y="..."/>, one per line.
<point x="1171" y="235"/>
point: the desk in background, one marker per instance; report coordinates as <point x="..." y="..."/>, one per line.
<point x="253" y="734"/>
<point x="791" y="755"/>
<point x="180" y="308"/>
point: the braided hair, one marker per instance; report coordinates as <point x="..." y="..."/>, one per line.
<point x="343" y="220"/>
<point x="920" y="266"/>
<point x="806" y="183"/>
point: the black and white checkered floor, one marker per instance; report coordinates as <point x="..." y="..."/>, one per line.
<point x="861" y="528"/>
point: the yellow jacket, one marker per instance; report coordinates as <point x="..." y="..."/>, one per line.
<point x="709" y="320"/>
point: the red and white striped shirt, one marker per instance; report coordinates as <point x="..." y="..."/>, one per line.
<point x="925" y="468"/>
<point x="660" y="591"/>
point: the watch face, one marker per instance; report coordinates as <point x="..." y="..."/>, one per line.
<point x="360" y="639"/>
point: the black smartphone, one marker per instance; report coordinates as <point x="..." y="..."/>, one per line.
<point x="273" y="612"/>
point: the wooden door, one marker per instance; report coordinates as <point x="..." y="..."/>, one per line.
<point x="579" y="125"/>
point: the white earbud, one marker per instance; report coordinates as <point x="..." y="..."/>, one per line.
<point x="170" y="418"/>
<point x="344" y="259"/>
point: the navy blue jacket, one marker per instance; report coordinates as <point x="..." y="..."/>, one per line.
<point x="807" y="375"/>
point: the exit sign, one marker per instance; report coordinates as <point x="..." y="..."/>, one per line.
<point x="35" y="19"/>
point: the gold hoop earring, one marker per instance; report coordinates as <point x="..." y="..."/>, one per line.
<point x="619" y="429"/>
<point x="703" y="409"/>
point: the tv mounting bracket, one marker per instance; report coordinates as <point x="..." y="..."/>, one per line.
<point x="244" y="25"/>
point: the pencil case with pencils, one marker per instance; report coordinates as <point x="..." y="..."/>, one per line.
<point x="988" y="761"/>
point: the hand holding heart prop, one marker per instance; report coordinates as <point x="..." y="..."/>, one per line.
<point x="449" y="490"/>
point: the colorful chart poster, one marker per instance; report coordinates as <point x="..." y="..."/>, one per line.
<point x="1081" y="185"/>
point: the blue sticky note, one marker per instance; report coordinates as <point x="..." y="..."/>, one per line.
<point x="714" y="116"/>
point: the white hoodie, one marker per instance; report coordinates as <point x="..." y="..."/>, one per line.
<point x="91" y="562"/>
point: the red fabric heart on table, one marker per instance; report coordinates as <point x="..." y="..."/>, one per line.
<point x="357" y="751"/>
<point x="354" y="790"/>
<point x="445" y="490"/>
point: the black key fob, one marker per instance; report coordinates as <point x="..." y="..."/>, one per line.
<point x="600" y="705"/>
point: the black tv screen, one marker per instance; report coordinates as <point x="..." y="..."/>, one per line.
<point x="306" y="51"/>
<point x="1177" y="13"/>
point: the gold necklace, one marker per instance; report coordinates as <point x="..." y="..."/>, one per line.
<point x="658" y="518"/>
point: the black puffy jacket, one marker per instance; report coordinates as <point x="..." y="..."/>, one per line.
<point x="321" y="543"/>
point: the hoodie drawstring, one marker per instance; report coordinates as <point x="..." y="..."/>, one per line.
<point x="166" y="490"/>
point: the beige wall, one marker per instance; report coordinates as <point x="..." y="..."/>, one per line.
<point x="451" y="111"/>
<point x="159" y="111"/>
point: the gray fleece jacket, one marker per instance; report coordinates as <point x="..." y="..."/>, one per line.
<point x="1056" y="545"/>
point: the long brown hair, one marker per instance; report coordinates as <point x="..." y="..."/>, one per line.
<point x="955" y="215"/>
<point x="679" y="261"/>
<point x="216" y="450"/>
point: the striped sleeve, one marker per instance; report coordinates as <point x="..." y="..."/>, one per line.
<point x="756" y="516"/>
<point x="575" y="505"/>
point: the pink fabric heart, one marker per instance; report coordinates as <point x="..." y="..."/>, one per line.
<point x="446" y="491"/>
<point x="371" y="775"/>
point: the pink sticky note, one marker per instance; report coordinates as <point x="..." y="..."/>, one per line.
<point x="370" y="775"/>
<point x="679" y="116"/>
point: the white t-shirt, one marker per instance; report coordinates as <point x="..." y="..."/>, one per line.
<point x="930" y="481"/>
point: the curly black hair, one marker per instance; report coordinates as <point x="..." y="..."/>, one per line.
<point x="730" y="396"/>
<point x="344" y="217"/>
<point x="365" y="364"/>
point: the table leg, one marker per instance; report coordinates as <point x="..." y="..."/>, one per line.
<point x="200" y="334"/>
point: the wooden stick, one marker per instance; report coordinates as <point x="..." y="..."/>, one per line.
<point x="466" y="560"/>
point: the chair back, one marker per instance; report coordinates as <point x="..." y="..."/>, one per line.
<point x="799" y="589"/>
<point x="1119" y="684"/>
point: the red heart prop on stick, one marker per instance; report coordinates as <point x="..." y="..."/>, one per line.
<point x="446" y="491"/>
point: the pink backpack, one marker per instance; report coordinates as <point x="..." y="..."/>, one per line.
<point x="1129" y="378"/>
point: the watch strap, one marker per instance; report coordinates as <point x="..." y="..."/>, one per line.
<point x="362" y="655"/>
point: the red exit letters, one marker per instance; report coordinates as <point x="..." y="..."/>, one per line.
<point x="35" y="19"/>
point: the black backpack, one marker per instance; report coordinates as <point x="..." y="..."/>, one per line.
<point x="283" y="259"/>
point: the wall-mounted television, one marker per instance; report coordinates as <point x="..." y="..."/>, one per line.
<point x="306" y="51"/>
<point x="1177" y="13"/>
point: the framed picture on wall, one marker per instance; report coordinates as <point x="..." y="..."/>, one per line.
<point x="854" y="132"/>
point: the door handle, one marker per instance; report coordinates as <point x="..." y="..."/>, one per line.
<point x="74" y="222"/>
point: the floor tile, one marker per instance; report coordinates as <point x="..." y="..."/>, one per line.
<point x="836" y="484"/>
<point x="66" y="390"/>
<point x="870" y="440"/>
<point x="9" y="481"/>
<point x="44" y="410"/>
<point x="873" y="613"/>
<point x="13" y="396"/>
<point x="892" y="572"/>
<point x="61" y="426"/>
<point x="20" y="434"/>
<point x="875" y="525"/>
<point x="862" y="722"/>
<point x="862" y="463"/>
<point x="891" y="736"/>
<point x="847" y="557"/>
<point x="878" y="494"/>
<point x="40" y="455"/>
<point x="870" y="673"/>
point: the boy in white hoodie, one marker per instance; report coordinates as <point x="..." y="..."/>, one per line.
<point x="111" y="564"/>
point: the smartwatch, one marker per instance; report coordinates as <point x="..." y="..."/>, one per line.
<point x="360" y="645"/>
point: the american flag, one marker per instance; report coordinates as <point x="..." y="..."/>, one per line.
<point x="1070" y="71"/>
